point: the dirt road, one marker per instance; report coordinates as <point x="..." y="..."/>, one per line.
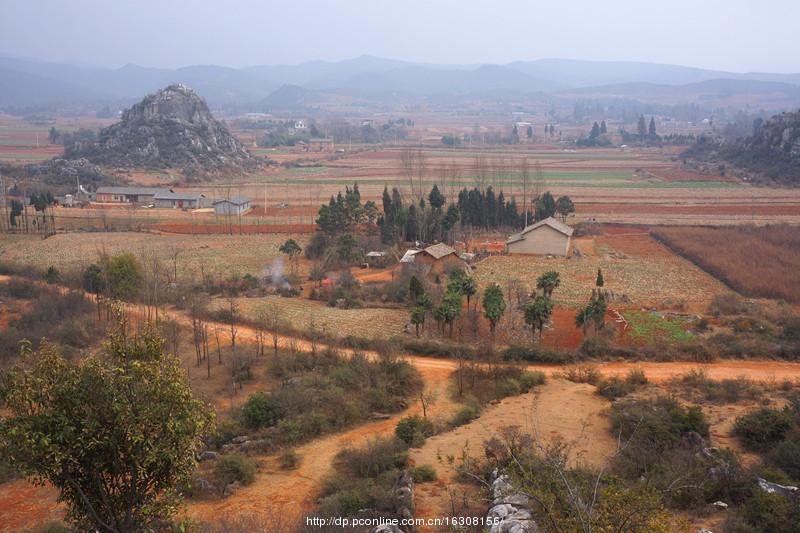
<point x="294" y="492"/>
<point x="570" y="412"/>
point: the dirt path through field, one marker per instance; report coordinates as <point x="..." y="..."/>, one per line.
<point x="560" y="409"/>
<point x="295" y="492"/>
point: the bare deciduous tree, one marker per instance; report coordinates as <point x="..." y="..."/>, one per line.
<point x="426" y="399"/>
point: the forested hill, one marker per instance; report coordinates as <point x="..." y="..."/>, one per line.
<point x="771" y="155"/>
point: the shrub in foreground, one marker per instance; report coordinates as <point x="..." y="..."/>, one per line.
<point x="413" y="430"/>
<point x="465" y="415"/>
<point x="235" y="467"/>
<point x="760" y="430"/>
<point x="423" y="474"/>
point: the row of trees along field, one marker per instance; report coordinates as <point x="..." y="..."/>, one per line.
<point x="36" y="217"/>
<point x="431" y="218"/>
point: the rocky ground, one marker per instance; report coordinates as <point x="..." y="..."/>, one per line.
<point x="172" y="128"/>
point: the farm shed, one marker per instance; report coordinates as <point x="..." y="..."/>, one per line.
<point x="376" y="259"/>
<point x="66" y="200"/>
<point x="546" y="237"/>
<point x="320" y="144"/>
<point x="128" y="195"/>
<point x="232" y="206"/>
<point x="433" y="260"/>
<point x="179" y="200"/>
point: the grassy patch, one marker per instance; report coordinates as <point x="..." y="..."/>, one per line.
<point x="651" y="327"/>
<point x="324" y="392"/>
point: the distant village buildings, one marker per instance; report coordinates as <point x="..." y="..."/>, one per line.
<point x="180" y="200"/>
<point x="315" y="145"/>
<point x="155" y="196"/>
<point x="546" y="237"/>
<point x="238" y="205"/>
<point x="435" y="260"/>
<point x="128" y="195"/>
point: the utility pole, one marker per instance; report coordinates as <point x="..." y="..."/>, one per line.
<point x="3" y="202"/>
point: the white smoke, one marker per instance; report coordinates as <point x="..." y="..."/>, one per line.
<point x="276" y="274"/>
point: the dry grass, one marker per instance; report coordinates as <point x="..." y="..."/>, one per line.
<point x="301" y="314"/>
<point x="756" y="261"/>
<point x="218" y="255"/>
<point x="643" y="280"/>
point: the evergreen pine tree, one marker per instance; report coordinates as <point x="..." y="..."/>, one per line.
<point x="642" y="126"/>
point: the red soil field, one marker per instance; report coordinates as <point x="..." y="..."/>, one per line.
<point x="26" y="507"/>
<point x="625" y="229"/>
<point x="293" y="211"/>
<point x="776" y="209"/>
<point x="222" y="229"/>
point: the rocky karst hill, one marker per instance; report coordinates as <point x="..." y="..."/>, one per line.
<point x="770" y="155"/>
<point x="172" y="128"/>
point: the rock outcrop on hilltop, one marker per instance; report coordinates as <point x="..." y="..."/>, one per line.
<point x="172" y="128"/>
<point x="770" y="155"/>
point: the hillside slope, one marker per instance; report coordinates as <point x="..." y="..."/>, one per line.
<point x="169" y="129"/>
<point x="771" y="155"/>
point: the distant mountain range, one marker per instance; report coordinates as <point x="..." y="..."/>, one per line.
<point x="30" y="83"/>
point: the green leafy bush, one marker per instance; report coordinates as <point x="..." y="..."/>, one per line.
<point x="664" y="442"/>
<point x="465" y="415"/>
<point x="765" y="513"/>
<point x="760" y="430"/>
<point x="232" y="468"/>
<point x="52" y="275"/>
<point x="529" y="380"/>
<point x="509" y="387"/>
<point x="364" y="478"/>
<point x="617" y="387"/>
<point x="786" y="455"/>
<point x="260" y="410"/>
<point x="423" y="474"/>
<point x="721" y="391"/>
<point x="534" y="354"/>
<point x="413" y="430"/>
<point x="791" y="329"/>
<point x="372" y="460"/>
<point x="327" y="391"/>
<point x="482" y="384"/>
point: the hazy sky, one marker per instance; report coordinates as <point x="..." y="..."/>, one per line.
<point x="737" y="35"/>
